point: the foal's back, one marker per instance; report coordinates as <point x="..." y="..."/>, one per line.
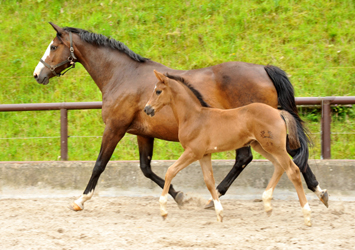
<point x="231" y="129"/>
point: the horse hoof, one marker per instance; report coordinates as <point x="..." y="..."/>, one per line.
<point x="164" y="216"/>
<point x="269" y="212"/>
<point x="209" y="204"/>
<point x="324" y="198"/>
<point x="220" y="218"/>
<point x="308" y="223"/>
<point x="179" y="198"/>
<point x="75" y="207"/>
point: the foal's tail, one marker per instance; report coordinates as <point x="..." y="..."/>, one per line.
<point x="291" y="125"/>
<point x="286" y="99"/>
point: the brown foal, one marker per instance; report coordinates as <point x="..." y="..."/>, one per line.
<point x="204" y="130"/>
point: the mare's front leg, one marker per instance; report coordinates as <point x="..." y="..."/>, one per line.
<point x="145" y="145"/>
<point x="184" y="160"/>
<point x="242" y="159"/>
<point x="109" y="142"/>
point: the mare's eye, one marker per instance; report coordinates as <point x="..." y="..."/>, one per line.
<point x="158" y="92"/>
<point x="53" y="48"/>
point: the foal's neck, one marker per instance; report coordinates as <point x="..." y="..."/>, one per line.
<point x="184" y="104"/>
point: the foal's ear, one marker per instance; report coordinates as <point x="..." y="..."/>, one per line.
<point x="160" y="76"/>
<point x="59" y="30"/>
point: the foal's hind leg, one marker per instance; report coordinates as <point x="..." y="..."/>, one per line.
<point x="145" y="145"/>
<point x="208" y="177"/>
<point x="243" y="158"/>
<point x="293" y="173"/>
<point x="283" y="162"/>
<point x="278" y="171"/>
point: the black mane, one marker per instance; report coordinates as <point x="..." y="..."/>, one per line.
<point x="194" y="91"/>
<point x="102" y="40"/>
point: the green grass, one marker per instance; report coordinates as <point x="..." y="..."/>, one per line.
<point x="313" y="41"/>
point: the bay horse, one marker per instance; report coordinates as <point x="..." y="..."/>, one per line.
<point x="204" y="130"/>
<point x="124" y="78"/>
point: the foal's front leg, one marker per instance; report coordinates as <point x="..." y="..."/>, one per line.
<point x="184" y="160"/>
<point x="207" y="170"/>
<point x="145" y="146"/>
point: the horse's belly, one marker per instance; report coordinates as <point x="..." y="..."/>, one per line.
<point x="158" y="126"/>
<point x="227" y="145"/>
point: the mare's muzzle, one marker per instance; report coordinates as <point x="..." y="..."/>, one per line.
<point x="149" y="110"/>
<point x="41" y="79"/>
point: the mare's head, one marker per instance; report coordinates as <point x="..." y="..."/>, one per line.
<point x="161" y="95"/>
<point x="58" y="56"/>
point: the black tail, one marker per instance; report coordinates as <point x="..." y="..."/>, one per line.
<point x="286" y="99"/>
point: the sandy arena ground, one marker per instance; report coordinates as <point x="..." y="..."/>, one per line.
<point x="135" y="223"/>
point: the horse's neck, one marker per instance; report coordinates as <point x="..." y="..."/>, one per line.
<point x="103" y="64"/>
<point x="184" y="104"/>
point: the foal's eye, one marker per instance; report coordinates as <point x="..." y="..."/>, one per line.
<point x="158" y="92"/>
<point x="53" y="48"/>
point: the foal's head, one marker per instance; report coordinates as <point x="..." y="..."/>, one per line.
<point x="161" y="95"/>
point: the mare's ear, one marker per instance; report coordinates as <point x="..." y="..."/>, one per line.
<point x="59" y="30"/>
<point x="160" y="76"/>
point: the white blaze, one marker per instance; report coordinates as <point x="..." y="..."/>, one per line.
<point x="40" y="65"/>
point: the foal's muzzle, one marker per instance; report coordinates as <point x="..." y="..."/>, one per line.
<point x="149" y="110"/>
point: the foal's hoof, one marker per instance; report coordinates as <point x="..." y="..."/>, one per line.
<point x="164" y="216"/>
<point x="308" y="223"/>
<point x="75" y="207"/>
<point x="209" y="204"/>
<point x="324" y="197"/>
<point x="269" y="212"/>
<point x="220" y="217"/>
<point x="179" y="198"/>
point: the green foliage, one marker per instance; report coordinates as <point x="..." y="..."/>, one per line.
<point x="313" y="41"/>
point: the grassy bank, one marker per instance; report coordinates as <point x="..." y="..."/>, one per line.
<point x="313" y="41"/>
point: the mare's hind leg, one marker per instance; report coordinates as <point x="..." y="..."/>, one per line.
<point x="208" y="177"/>
<point x="110" y="139"/>
<point x="278" y="171"/>
<point x="311" y="181"/>
<point x="145" y="145"/>
<point x="242" y="159"/>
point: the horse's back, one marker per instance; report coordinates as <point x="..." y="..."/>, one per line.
<point x="233" y="84"/>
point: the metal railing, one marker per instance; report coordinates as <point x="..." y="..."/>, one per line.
<point x="324" y="102"/>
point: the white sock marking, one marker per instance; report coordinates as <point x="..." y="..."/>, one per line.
<point x="219" y="210"/>
<point x="163" y="200"/>
<point x="267" y="196"/>
<point x="83" y="198"/>
<point x="318" y="192"/>
<point x="307" y="215"/>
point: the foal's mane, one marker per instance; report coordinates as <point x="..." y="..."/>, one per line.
<point x="105" y="41"/>
<point x="193" y="90"/>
